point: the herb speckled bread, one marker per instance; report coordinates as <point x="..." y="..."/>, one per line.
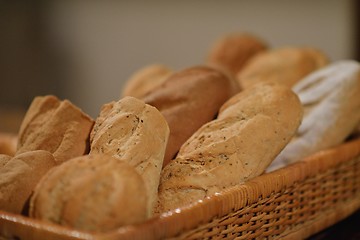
<point x="134" y="132"/>
<point x="250" y="130"/>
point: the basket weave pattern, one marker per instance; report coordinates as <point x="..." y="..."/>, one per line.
<point x="290" y="203"/>
<point x="287" y="210"/>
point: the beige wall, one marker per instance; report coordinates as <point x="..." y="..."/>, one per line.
<point x="99" y="44"/>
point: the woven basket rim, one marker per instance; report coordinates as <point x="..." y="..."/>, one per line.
<point x="179" y="220"/>
<point x="176" y="221"/>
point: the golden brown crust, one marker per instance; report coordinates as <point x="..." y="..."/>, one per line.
<point x="92" y="193"/>
<point x="286" y="65"/>
<point x="136" y="133"/>
<point x="8" y="143"/>
<point x="4" y="159"/>
<point x="232" y="51"/>
<point x="188" y="99"/>
<point x="55" y="126"/>
<point x="19" y="176"/>
<point x="233" y="148"/>
<point x="145" y="80"/>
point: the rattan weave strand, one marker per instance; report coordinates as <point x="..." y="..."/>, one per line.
<point x="291" y="203"/>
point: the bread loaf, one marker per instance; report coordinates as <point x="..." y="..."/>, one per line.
<point x="8" y="143"/>
<point x="330" y="97"/>
<point x="188" y="99"/>
<point x="55" y="126"/>
<point x="232" y="51"/>
<point x="251" y="129"/>
<point x="92" y="193"/>
<point x="285" y="65"/>
<point x="145" y="80"/>
<point x="19" y="176"/>
<point x="136" y="133"/>
<point x="4" y="159"/>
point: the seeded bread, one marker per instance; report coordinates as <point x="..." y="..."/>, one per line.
<point x="136" y="133"/>
<point x="4" y="159"/>
<point x="251" y="129"/>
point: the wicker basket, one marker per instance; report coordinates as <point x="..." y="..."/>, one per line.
<point x="291" y="203"/>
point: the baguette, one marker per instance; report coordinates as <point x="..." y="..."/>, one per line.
<point x="188" y="99"/>
<point x="285" y="65"/>
<point x="145" y="80"/>
<point x="331" y="102"/>
<point x="232" y="51"/>
<point x="233" y="148"/>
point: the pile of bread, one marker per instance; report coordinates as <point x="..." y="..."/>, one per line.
<point x="177" y="137"/>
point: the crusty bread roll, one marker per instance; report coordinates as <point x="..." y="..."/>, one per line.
<point x="136" y="133"/>
<point x="19" y="176"/>
<point x="250" y="130"/>
<point x="232" y="51"/>
<point x="331" y="101"/>
<point x="145" y="80"/>
<point x="4" y="159"/>
<point x="92" y="193"/>
<point x="188" y="99"/>
<point x="55" y="126"/>
<point x="8" y="143"/>
<point x="285" y="65"/>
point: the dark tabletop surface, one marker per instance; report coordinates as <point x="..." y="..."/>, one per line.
<point x="348" y="229"/>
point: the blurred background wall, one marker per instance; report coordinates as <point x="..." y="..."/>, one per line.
<point x="85" y="50"/>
